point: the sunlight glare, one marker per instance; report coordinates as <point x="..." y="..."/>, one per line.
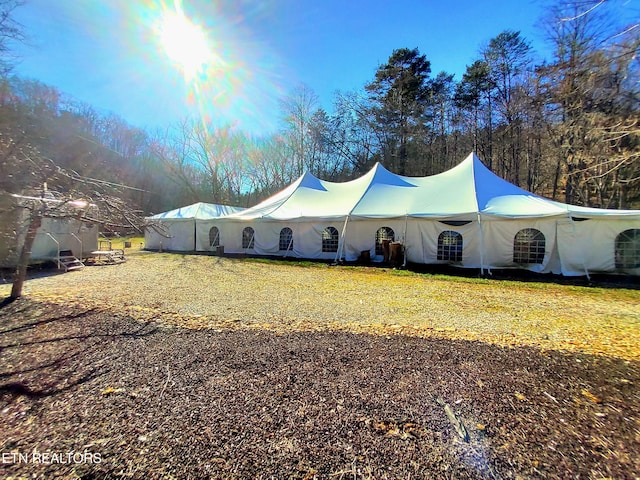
<point x="210" y="55"/>
<point x="185" y="43"/>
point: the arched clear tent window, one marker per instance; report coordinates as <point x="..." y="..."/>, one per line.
<point x="627" y="247"/>
<point x="528" y="246"/>
<point x="330" y="238"/>
<point x="450" y="246"/>
<point x="214" y="237"/>
<point x="248" y="236"/>
<point x="383" y="233"/>
<point x="286" y="239"/>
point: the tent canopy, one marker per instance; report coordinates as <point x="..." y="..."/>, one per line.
<point x="198" y="210"/>
<point x="470" y="188"/>
<point x="466" y="216"/>
<point x="179" y="228"/>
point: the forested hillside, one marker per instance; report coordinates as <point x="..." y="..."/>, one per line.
<point x="567" y="128"/>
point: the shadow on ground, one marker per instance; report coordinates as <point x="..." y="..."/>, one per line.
<point x="156" y="401"/>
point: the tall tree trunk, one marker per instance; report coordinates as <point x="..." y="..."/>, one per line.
<point x="490" y="125"/>
<point x="556" y="178"/>
<point x="25" y="255"/>
<point x="569" y="194"/>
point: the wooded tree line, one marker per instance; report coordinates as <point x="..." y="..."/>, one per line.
<point x="567" y="128"/>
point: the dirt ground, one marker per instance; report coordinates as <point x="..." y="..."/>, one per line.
<point x="138" y="371"/>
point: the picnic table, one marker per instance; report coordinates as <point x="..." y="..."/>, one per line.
<point x="106" y="254"/>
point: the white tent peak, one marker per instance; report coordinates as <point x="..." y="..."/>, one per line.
<point x="496" y="196"/>
<point x="198" y="210"/>
<point x="308" y="180"/>
<point x="381" y="176"/>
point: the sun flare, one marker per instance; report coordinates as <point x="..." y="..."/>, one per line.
<point x="185" y="43"/>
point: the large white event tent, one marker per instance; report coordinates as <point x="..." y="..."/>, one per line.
<point x="184" y="229"/>
<point x="467" y="217"/>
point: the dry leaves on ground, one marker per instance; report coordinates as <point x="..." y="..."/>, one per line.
<point x="172" y="366"/>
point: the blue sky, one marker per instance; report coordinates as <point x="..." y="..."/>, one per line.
<point x="104" y="52"/>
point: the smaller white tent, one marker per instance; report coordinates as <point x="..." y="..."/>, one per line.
<point x="185" y="229"/>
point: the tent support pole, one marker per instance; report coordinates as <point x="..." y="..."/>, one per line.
<point x="250" y="242"/>
<point x="481" y="245"/>
<point x="404" y="249"/>
<point x="573" y="227"/>
<point x="288" y="247"/>
<point x="341" y="249"/>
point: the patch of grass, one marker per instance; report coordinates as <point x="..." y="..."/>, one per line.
<point x="136" y="242"/>
<point x="289" y="262"/>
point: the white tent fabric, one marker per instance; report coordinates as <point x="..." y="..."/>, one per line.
<point x="198" y="210"/>
<point x="180" y="229"/>
<point x="466" y="216"/>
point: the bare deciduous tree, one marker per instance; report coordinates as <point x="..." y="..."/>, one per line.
<point x="26" y="199"/>
<point x="10" y="31"/>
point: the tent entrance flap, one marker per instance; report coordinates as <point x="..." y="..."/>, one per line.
<point x="575" y="234"/>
